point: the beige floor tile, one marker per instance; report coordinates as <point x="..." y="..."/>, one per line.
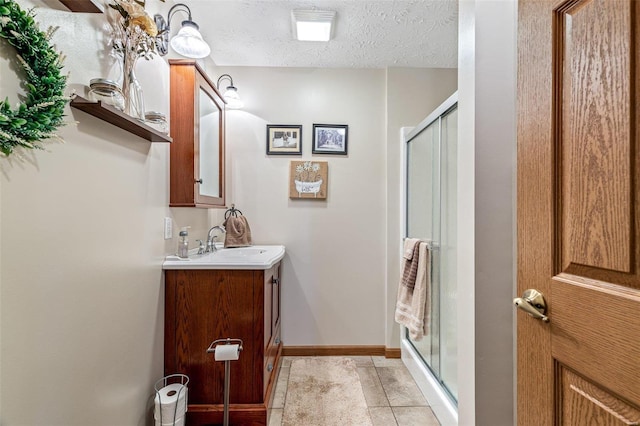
<point x="380" y="361"/>
<point x="401" y="389"/>
<point x="413" y="416"/>
<point x="382" y="416"/>
<point x="276" y="417"/>
<point x="286" y="361"/>
<point x="361" y="361"/>
<point x="372" y="388"/>
<point x="281" y="388"/>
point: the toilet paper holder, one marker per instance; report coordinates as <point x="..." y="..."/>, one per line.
<point x="227" y="370"/>
<point x="167" y="382"/>
<point x="227" y="341"/>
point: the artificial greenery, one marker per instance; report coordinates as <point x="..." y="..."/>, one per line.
<point x="41" y="111"/>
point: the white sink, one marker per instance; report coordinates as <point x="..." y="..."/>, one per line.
<point x="253" y="257"/>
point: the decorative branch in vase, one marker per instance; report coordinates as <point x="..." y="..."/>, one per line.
<point x="133" y="36"/>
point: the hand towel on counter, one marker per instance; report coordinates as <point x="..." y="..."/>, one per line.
<point x="412" y="305"/>
<point x="238" y="232"/>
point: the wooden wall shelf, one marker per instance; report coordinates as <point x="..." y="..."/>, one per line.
<point x="119" y="119"/>
<point x="86" y="6"/>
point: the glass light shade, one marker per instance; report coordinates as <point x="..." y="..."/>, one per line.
<point x="232" y="98"/>
<point x="188" y="42"/>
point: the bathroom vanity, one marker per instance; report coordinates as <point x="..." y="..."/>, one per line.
<point x="239" y="299"/>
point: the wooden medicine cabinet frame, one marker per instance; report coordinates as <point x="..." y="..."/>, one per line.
<point x="187" y="187"/>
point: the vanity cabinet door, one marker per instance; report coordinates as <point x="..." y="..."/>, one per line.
<point x="275" y="305"/>
<point x="205" y="305"/>
<point x="271" y="324"/>
<point x="197" y="165"/>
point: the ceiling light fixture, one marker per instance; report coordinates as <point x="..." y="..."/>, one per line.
<point x="188" y="42"/>
<point x="230" y="95"/>
<point x="312" y="25"/>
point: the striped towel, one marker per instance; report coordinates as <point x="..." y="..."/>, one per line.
<point x="412" y="305"/>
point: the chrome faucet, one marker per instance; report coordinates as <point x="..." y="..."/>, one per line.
<point x="211" y="240"/>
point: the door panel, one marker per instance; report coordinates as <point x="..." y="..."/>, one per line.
<point x="593" y="39"/>
<point x="587" y="404"/>
<point x="595" y="330"/>
<point x="577" y="212"/>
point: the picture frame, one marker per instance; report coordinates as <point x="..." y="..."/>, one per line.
<point x="284" y="139"/>
<point x="308" y="179"/>
<point x="330" y="139"/>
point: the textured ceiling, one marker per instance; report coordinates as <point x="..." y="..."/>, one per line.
<point x="368" y="34"/>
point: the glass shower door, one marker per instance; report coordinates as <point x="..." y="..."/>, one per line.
<point x="423" y="217"/>
<point x="431" y="216"/>
<point x="448" y="247"/>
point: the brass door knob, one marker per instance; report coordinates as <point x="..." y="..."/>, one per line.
<point x="533" y="303"/>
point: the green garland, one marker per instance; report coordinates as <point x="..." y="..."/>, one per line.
<point x="41" y="112"/>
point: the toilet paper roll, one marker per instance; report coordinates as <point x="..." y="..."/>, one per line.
<point x="226" y="353"/>
<point x="170" y="403"/>
<point x="167" y="416"/>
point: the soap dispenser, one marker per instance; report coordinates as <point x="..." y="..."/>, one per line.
<point x="183" y="244"/>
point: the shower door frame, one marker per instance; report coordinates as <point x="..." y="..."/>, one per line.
<point x="439" y="398"/>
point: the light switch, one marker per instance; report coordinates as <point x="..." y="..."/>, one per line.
<point x="168" y="228"/>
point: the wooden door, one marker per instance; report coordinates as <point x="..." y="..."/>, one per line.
<point x="578" y="219"/>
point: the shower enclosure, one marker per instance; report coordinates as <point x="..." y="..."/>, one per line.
<point x="430" y="185"/>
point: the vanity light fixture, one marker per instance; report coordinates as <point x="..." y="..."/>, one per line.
<point x="313" y="25"/>
<point x="230" y="95"/>
<point x="188" y="42"/>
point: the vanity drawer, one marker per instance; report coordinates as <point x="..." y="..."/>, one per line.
<point x="270" y="358"/>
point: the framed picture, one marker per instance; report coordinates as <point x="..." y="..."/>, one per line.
<point x="284" y="139"/>
<point x="308" y="179"/>
<point x="330" y="139"/>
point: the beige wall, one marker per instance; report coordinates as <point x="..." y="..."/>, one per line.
<point x="81" y="293"/>
<point x="333" y="278"/>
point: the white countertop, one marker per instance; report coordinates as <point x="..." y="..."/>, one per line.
<point x="252" y="257"/>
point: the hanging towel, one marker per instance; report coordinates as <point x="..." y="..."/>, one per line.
<point x="412" y="305"/>
<point x="238" y="232"/>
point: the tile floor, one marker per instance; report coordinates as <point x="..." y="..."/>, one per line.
<point x="391" y="393"/>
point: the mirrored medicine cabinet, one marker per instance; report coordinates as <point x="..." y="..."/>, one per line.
<point x="197" y="127"/>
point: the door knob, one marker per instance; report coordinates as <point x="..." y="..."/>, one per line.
<point x="533" y="303"/>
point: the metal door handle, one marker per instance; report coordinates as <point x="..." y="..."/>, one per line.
<point x="533" y="303"/>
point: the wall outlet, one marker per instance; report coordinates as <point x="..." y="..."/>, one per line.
<point x="168" y="228"/>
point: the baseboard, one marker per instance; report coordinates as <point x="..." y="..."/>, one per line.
<point x="372" y="350"/>
<point x="392" y="353"/>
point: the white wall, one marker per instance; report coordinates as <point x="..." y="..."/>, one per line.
<point x="81" y="294"/>
<point x="486" y="210"/>
<point x="412" y="94"/>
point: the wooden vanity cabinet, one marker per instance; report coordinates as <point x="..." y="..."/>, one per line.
<point x="197" y="158"/>
<point x="205" y="305"/>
